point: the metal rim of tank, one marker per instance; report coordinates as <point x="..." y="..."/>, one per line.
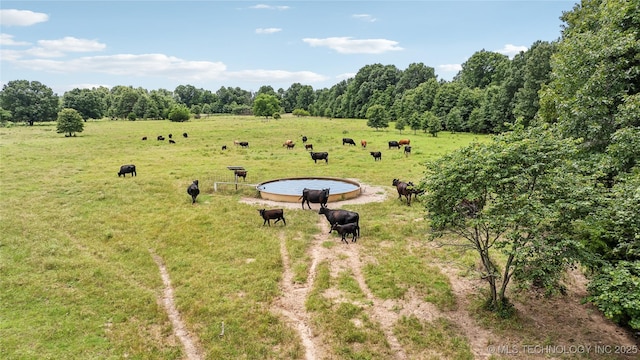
<point x="296" y="198"/>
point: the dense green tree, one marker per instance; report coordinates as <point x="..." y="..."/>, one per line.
<point x="415" y="122"/>
<point x="123" y="100"/>
<point x="87" y="102"/>
<point x="69" y="122"/>
<point x="515" y="195"/>
<point x="179" y="113"/>
<point x="536" y="73"/>
<point x="431" y="123"/>
<point x="482" y="69"/>
<point x="5" y="115"/>
<point x="596" y="68"/>
<point x="414" y="75"/>
<point x="29" y="101"/>
<point x="300" y="112"/>
<point x="446" y="98"/>
<point x="377" y="117"/>
<point x="266" y="105"/>
<point x="187" y="95"/>
<point x="400" y="125"/>
<point x="305" y="98"/>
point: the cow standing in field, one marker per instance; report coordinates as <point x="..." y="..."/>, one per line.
<point x="404" y="142"/>
<point x="144" y="138"/>
<point x="314" y="196"/>
<point x="268" y="215"/>
<point x="407" y="150"/>
<point x="244" y="144"/>
<point x="405" y="189"/>
<point x="377" y="155"/>
<point x="288" y="142"/>
<point x="160" y="137"/>
<point x="347" y="229"/>
<point x="290" y="146"/>
<point x="394" y="144"/>
<point x="363" y="143"/>
<point x="304" y="139"/>
<point x="348" y="141"/>
<point x="127" y="169"/>
<point x="185" y="135"/>
<point x="340" y="217"/>
<point x="308" y="146"/>
<point x="241" y="174"/>
<point x="194" y="191"/>
<point x="319" y="156"/>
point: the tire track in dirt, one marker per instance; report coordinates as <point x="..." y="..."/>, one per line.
<point x="292" y="302"/>
<point x="189" y="342"/>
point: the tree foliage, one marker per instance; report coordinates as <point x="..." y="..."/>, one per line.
<point x="87" y="102"/>
<point x="29" y="101"/>
<point x="516" y="195"/>
<point x="69" y="122"/>
<point x="377" y="117"/>
<point x="266" y="105"/>
<point x="179" y="113"/>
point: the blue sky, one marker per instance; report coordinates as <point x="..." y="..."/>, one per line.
<point x="209" y="44"/>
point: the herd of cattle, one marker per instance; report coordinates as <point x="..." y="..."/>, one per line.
<point x="344" y="222"/>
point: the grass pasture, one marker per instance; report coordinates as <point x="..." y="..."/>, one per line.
<point x="77" y="273"/>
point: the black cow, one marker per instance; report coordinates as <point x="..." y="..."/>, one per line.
<point x="241" y="174"/>
<point x="185" y="135"/>
<point x="171" y="141"/>
<point x="377" y="155"/>
<point x="170" y="136"/>
<point x="394" y="144"/>
<point x="405" y="189"/>
<point x="304" y="139"/>
<point x="269" y="215"/>
<point x="308" y="146"/>
<point x="347" y="229"/>
<point x="407" y="150"/>
<point x="348" y="141"/>
<point x="319" y="156"/>
<point x="144" y="138"/>
<point x="127" y="169"/>
<point x="160" y="137"/>
<point x="340" y="217"/>
<point x="244" y="144"/>
<point x="315" y="196"/>
<point x="224" y="147"/>
<point x="194" y="191"/>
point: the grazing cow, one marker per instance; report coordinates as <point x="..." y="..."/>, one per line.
<point x="340" y="217"/>
<point x="308" y="146"/>
<point x="224" y="147"/>
<point x="394" y="143"/>
<point x="241" y="173"/>
<point x="144" y="138"/>
<point x="170" y="136"/>
<point x="405" y="189"/>
<point x="268" y="215"/>
<point x="194" y="191"/>
<point x="288" y="142"/>
<point x="319" y="156"/>
<point x="347" y="229"/>
<point x="304" y="139"/>
<point x="171" y="141"/>
<point x="160" y="137"/>
<point x="404" y="142"/>
<point x="363" y="143"/>
<point x="377" y="155"/>
<point x="236" y="142"/>
<point x="407" y="150"/>
<point x="315" y="196"/>
<point x="348" y="141"/>
<point x="127" y="169"/>
<point x="244" y="144"/>
<point x="185" y="135"/>
<point x="290" y="146"/>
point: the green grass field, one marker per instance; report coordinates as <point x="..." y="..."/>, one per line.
<point x="76" y="270"/>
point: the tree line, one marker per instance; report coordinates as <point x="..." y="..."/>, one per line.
<point x="559" y="186"/>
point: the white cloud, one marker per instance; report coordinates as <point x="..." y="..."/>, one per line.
<point x="364" y="17"/>
<point x="269" y="7"/>
<point x="14" y="17"/>
<point x="267" y="30"/>
<point x="7" y="40"/>
<point x="72" y="44"/>
<point x="510" y="50"/>
<point x="345" y="76"/>
<point x="347" y="45"/>
<point x="450" y="67"/>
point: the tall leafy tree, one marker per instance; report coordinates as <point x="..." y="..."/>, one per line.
<point x="266" y="105"/>
<point x="414" y="75"/>
<point x="595" y="70"/>
<point x="69" y="122"/>
<point x="515" y="195"/>
<point x="29" y="101"/>
<point x="87" y="102"/>
<point x="377" y="117"/>
<point x="482" y="69"/>
<point x="536" y="73"/>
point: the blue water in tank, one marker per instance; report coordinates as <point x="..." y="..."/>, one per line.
<point x="295" y="186"/>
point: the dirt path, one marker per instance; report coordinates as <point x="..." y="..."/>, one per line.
<point x="189" y="342"/>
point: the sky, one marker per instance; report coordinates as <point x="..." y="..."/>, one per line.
<point x="161" y="44"/>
